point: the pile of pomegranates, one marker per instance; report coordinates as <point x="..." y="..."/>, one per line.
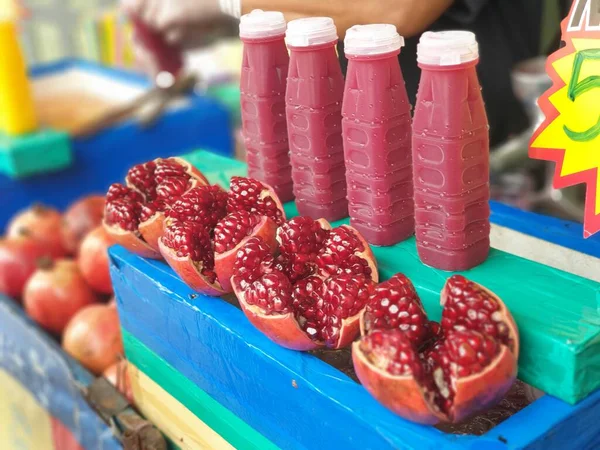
<point x="431" y="372"/>
<point x="57" y="265"/>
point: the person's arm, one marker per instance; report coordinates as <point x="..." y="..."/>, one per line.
<point x="410" y="16"/>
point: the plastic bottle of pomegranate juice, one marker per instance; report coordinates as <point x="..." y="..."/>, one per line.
<point x="263" y="83"/>
<point x="314" y="114"/>
<point x="451" y="154"/>
<point x="377" y="136"/>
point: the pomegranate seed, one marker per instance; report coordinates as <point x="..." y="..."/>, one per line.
<point x="193" y="240"/>
<point x="141" y="177"/>
<point x="468" y="306"/>
<point x="232" y="229"/>
<point x="168" y="168"/>
<point x="172" y="188"/>
<point x="253" y="196"/>
<point x="339" y="254"/>
<point x="344" y="296"/>
<point x="123" y="207"/>
<point x="272" y="293"/>
<point x="205" y="205"/>
<point x="394" y="352"/>
<point x="252" y="260"/>
<point x="396" y="305"/>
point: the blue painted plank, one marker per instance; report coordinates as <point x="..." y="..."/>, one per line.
<point x="105" y="158"/>
<point x="561" y="232"/>
<point x="38" y="363"/>
<point x="210" y="342"/>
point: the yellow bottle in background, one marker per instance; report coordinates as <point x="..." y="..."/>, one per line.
<point x="17" y="110"/>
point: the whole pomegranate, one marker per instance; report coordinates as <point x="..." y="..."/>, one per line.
<point x="55" y="292"/>
<point x="135" y="213"/>
<point x="18" y="261"/>
<point x="42" y="223"/>
<point x="118" y="375"/>
<point x="311" y="293"/>
<point x="93" y="260"/>
<point x="93" y="337"/>
<point x="428" y="372"/>
<point x="206" y="227"/>
<point x="82" y="217"/>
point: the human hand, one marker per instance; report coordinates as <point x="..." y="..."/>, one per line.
<point x="182" y="24"/>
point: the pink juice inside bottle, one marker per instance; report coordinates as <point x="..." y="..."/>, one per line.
<point x="314" y="115"/>
<point x="377" y="136"/>
<point x="451" y="154"/>
<point x="263" y="84"/>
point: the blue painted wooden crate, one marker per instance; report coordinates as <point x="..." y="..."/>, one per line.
<point x="202" y="356"/>
<point x="41" y="406"/>
<point x="198" y="121"/>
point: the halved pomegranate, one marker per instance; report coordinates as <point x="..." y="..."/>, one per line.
<point x="429" y="373"/>
<point x="161" y="181"/>
<point x="122" y="218"/>
<point x="136" y="221"/>
<point x="201" y="242"/>
<point x="311" y="294"/>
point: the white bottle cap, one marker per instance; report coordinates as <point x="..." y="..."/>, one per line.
<point x="262" y="24"/>
<point x="447" y="48"/>
<point x="311" y="31"/>
<point x="375" y="39"/>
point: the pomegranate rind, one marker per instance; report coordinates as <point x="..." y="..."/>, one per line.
<point x="266" y="229"/>
<point x="152" y="230"/>
<point x="485" y="389"/>
<point x="349" y="331"/>
<point x="188" y="272"/>
<point x="131" y="242"/>
<point x="191" y="170"/>
<point x="401" y="394"/>
<point x="283" y="329"/>
<point x="268" y="191"/>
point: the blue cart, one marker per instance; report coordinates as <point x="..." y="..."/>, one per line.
<point x="228" y="386"/>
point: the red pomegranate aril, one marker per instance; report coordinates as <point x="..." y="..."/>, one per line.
<point x="272" y="293"/>
<point x="232" y="229"/>
<point x="394" y="352"/>
<point x="252" y="260"/>
<point x="300" y="240"/>
<point x="255" y="197"/>
<point x="456" y="369"/>
<point x="346" y="252"/>
<point x="187" y="248"/>
<point x="141" y="177"/>
<point x="204" y="205"/>
<point x="396" y="305"/>
<point x="344" y="297"/>
<point x="122" y="219"/>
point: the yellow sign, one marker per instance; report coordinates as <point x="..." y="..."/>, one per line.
<point x="570" y="134"/>
<point x="24" y="424"/>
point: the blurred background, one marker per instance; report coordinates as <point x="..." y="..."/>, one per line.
<point x="94" y="30"/>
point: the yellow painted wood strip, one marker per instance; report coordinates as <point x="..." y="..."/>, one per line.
<point x="24" y="423"/>
<point x="171" y="417"/>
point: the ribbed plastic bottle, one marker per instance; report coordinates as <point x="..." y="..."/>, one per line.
<point x="451" y="154"/>
<point x="263" y="85"/>
<point x="314" y="114"/>
<point x="377" y="136"/>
